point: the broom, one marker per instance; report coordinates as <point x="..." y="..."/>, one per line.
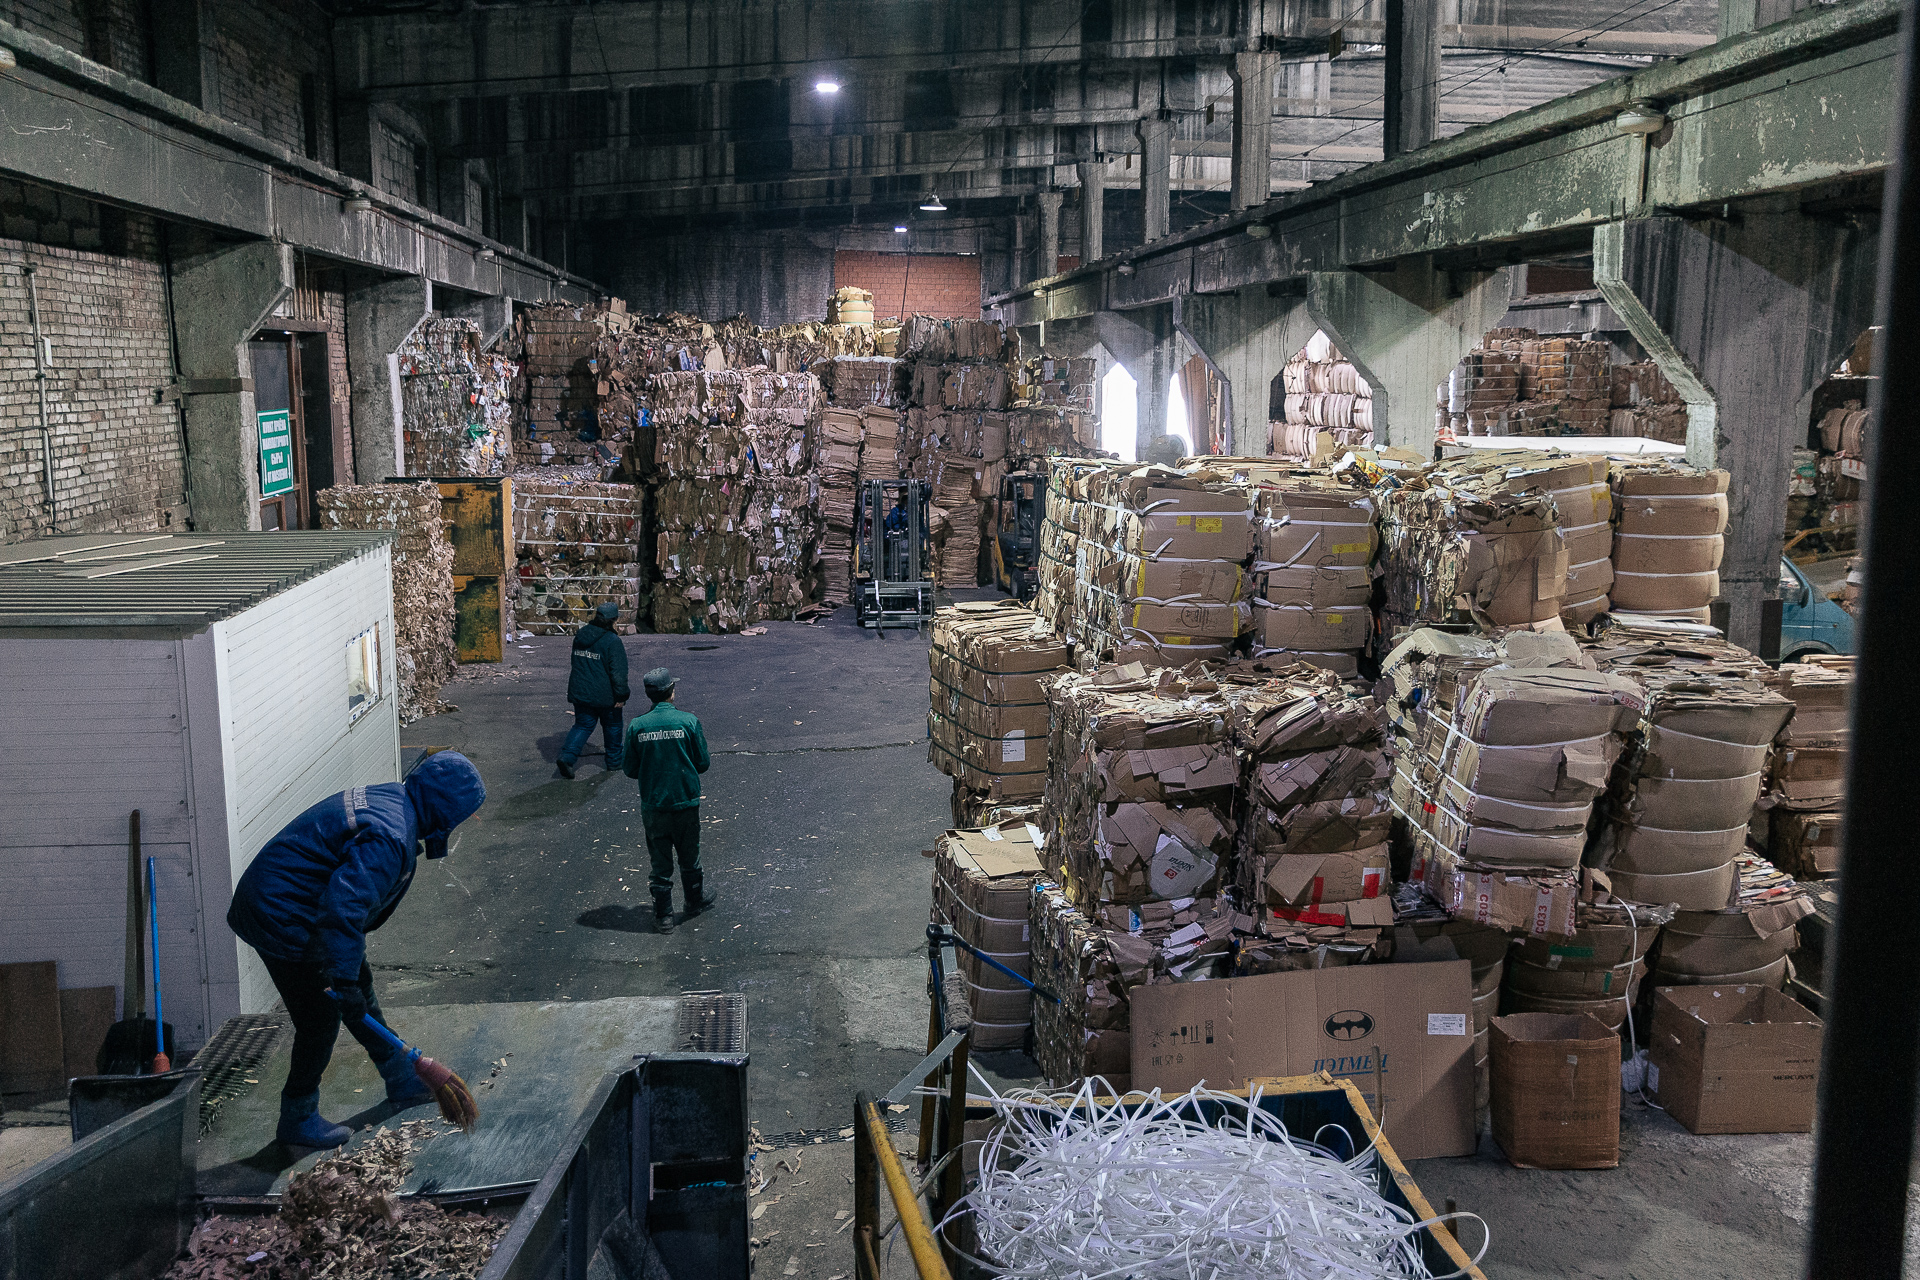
<point x="449" y="1090"/>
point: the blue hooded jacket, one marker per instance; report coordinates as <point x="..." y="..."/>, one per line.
<point x="336" y="872"/>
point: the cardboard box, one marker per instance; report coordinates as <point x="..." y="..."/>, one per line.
<point x="1189" y="524"/>
<point x="1405" y="1030"/>
<point x="1214" y="621"/>
<point x="1323" y="537"/>
<point x="1739" y="1059"/>
<point x="1809" y="776"/>
<point x="1556" y="1091"/>
<point x="1315" y="630"/>
<point x="1187" y="581"/>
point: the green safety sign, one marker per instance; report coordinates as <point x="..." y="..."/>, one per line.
<point x="276" y="452"/>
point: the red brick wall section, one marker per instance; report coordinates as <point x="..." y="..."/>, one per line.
<point x="117" y="451"/>
<point x="935" y="284"/>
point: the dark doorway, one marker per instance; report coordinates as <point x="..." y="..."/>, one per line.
<point x="319" y="463"/>
<point x="280" y="430"/>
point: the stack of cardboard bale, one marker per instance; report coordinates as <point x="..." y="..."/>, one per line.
<point x="456" y="401"/>
<point x="1669" y="522"/>
<point x="862" y="380"/>
<point x="1479" y="533"/>
<point x="1068" y="508"/>
<point x="734" y="500"/>
<point x="982" y="881"/>
<point x="1644" y="403"/>
<point x="987" y="717"/>
<point x="837" y="453"/>
<point x="1502" y="749"/>
<point x="1583" y="501"/>
<point x="1312" y="850"/>
<point x="1807" y="774"/>
<point x="1517" y="383"/>
<point x="1678" y="807"/>
<point x="1599" y="969"/>
<point x="1314" y="544"/>
<point x="1326" y="405"/>
<point x="1139" y="824"/>
<point x="1746" y="941"/>
<point x="1160" y="564"/>
<point x="576" y="545"/>
<point x="561" y="372"/>
<point x="424" y="654"/>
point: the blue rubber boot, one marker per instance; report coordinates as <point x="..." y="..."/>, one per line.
<point x="302" y="1125"/>
<point x="403" y="1086"/>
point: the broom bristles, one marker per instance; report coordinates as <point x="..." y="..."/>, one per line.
<point x="457" y="1104"/>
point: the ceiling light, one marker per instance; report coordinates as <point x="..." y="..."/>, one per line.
<point x="828" y="87"/>
<point x="1641" y="117"/>
<point x="1259" y="230"/>
<point x="486" y="255"/>
<point x="900" y="230"/>
<point x="933" y="204"/>
<point x="359" y="204"/>
<point x="1124" y="269"/>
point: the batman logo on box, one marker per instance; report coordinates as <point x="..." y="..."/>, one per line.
<point x="1349" y="1024"/>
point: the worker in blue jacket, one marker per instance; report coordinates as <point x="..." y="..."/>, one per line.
<point x="307" y="902"/>
<point x="597" y="688"/>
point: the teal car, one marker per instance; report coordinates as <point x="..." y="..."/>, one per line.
<point x="1809" y="622"/>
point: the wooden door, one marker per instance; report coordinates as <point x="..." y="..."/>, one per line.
<point x="273" y="358"/>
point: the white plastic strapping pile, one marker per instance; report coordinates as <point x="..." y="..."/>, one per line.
<point x="1072" y="1188"/>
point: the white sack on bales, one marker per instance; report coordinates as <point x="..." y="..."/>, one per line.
<point x="423" y="610"/>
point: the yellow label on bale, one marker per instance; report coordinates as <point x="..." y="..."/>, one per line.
<point x="1209" y="524"/>
<point x="1183" y="522"/>
<point x="1335" y="619"/>
<point x="1176" y="639"/>
<point x="1347" y="548"/>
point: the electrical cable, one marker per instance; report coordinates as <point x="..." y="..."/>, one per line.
<point x="1203" y="1185"/>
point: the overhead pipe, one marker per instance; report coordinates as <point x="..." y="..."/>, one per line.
<point x="1870" y="1070"/>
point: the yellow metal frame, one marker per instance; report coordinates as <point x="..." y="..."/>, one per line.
<point x="874" y="1145"/>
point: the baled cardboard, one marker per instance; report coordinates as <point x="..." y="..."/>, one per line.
<point x="1806" y="845"/>
<point x="1809" y="776"/>
<point x="1405" y="1030"/>
<point x="982" y="882"/>
<point x="1694" y="804"/>
<point x="1556" y="1091"/>
<point x="1734" y="1059"/>
<point x="1313" y="587"/>
<point x="1298" y="880"/>
<point x="1652" y="592"/>
<point x="1326" y="537"/>
<point x="1707" y="943"/>
<point x="1215" y="621"/>
<point x="1167" y="580"/>
<point x="1667" y="852"/>
<point x="1190" y="524"/>
<point x="1542" y="902"/>
<point x="1315" y="630"/>
<point x="1515" y="576"/>
<point x="1668" y="553"/>
<point x="1707" y="890"/>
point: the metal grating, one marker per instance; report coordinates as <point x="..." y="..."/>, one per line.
<point x="711" y="1022"/>
<point x="230" y="1062"/>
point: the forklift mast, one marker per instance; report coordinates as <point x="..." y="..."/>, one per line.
<point x="893" y="554"/>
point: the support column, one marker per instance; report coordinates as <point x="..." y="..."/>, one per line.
<point x="1022" y="270"/>
<point x="220" y="296"/>
<point x="1413" y="76"/>
<point x="1156" y="177"/>
<point x="1250" y="335"/>
<point x="1404" y="330"/>
<point x="1746" y="318"/>
<point x="380" y="317"/>
<point x="1737" y="17"/>
<point x="1252" y="75"/>
<point x="1093" y="210"/>
<point x="1049" y="263"/>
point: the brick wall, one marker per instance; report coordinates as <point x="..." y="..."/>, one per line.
<point x="933" y="284"/>
<point x="55" y="20"/>
<point x="117" y="451"/>
<point x="262" y="48"/>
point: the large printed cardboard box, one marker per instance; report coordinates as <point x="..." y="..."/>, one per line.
<point x="1740" y="1059"/>
<point x="1402" y="1030"/>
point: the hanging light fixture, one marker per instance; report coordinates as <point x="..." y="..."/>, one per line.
<point x="900" y="230"/>
<point x="933" y="204"/>
<point x="827" y="86"/>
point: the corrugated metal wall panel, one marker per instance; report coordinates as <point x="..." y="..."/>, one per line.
<point x="89" y="731"/>
<point x="287" y="743"/>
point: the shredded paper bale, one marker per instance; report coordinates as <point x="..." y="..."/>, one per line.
<point x="456" y="401"/>
<point x="425" y="656"/>
<point x="345" y="1218"/>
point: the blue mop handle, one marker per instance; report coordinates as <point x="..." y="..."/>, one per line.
<point x="153" y="914"/>
<point x="372" y="1024"/>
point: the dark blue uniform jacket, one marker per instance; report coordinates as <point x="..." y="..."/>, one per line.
<point x="336" y="872"/>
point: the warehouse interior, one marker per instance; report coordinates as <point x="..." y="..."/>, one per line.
<point x="1259" y="612"/>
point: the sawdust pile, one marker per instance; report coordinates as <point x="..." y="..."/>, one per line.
<point x="423" y="611"/>
<point x="343" y="1220"/>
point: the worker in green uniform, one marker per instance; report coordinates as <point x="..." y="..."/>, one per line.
<point x="666" y="749"/>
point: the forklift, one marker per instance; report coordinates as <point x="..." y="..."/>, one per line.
<point x="893" y="555"/>
<point x="1016" y="545"/>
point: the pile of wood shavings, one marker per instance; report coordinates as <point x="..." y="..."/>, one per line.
<point x="344" y="1219"/>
